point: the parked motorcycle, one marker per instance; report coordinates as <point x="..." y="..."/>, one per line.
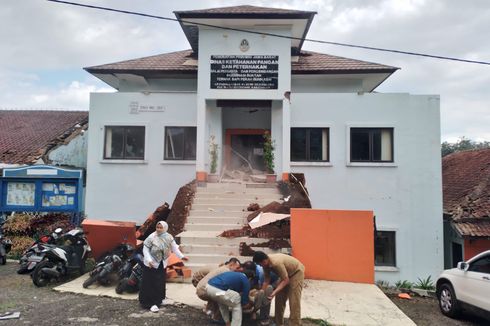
<point x="132" y="283"/>
<point x="61" y="261"/>
<point x="32" y="256"/>
<point x="115" y="262"/>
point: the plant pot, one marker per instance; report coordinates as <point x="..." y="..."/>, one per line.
<point x="271" y="178"/>
<point x="213" y="178"/>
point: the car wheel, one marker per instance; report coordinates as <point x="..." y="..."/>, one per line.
<point x="447" y="301"/>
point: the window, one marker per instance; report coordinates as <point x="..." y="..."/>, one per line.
<point x="180" y="143"/>
<point x="481" y="265"/>
<point x="124" y="142"/>
<point x="371" y="144"/>
<point x="309" y="144"/>
<point x="385" y="249"/>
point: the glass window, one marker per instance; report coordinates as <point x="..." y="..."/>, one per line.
<point x="309" y="144"/>
<point x="180" y="143"/>
<point x="481" y="265"/>
<point x="371" y="144"/>
<point x="124" y="142"/>
<point x="385" y="249"/>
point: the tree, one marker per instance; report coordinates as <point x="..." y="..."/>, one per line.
<point x="463" y="144"/>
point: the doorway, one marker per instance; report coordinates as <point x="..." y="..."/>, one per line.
<point x="244" y="149"/>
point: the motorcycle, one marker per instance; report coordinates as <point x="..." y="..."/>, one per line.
<point x="61" y="261"/>
<point x="132" y="283"/>
<point x="32" y="255"/>
<point x="115" y="262"/>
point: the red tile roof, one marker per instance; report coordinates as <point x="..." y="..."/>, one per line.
<point x="466" y="191"/>
<point x="251" y="10"/>
<point x="179" y="62"/>
<point x="26" y="135"/>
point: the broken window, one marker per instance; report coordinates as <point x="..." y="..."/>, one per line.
<point x="385" y="248"/>
<point x="124" y="142"/>
<point x="309" y="144"/>
<point x="371" y="144"/>
<point x="180" y="143"/>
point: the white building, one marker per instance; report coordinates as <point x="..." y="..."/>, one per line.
<point x="358" y="149"/>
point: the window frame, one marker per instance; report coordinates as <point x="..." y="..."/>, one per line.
<point x="371" y="131"/>
<point x="165" y="158"/>
<point x="308" y="160"/>
<point x="123" y="159"/>
<point x="386" y="265"/>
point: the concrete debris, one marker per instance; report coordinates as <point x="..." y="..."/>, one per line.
<point x="10" y="315"/>
<point x="266" y="218"/>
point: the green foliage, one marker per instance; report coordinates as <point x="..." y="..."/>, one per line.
<point x="383" y="284"/>
<point x="213" y="152"/>
<point x="463" y="144"/>
<point x="425" y="284"/>
<point x="269" y="146"/>
<point x="403" y="284"/>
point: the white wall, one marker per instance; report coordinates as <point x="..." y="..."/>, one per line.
<point x="406" y="196"/>
<point x="129" y="191"/>
<point x="72" y="154"/>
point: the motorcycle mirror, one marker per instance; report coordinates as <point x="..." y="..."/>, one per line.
<point x="58" y="230"/>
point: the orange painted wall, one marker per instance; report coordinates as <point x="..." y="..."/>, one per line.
<point x="104" y="236"/>
<point x="334" y="245"/>
<point x="474" y="247"/>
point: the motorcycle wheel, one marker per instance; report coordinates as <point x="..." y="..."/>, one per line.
<point x="38" y="277"/>
<point x="23" y="269"/>
<point x="121" y="286"/>
<point x="88" y="282"/>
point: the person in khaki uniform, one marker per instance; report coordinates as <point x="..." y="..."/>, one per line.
<point x="292" y="274"/>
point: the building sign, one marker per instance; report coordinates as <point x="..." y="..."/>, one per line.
<point x="244" y="71"/>
<point x="136" y="108"/>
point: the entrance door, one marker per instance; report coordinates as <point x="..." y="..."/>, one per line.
<point x="244" y="148"/>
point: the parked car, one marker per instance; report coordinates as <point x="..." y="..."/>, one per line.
<point x="466" y="286"/>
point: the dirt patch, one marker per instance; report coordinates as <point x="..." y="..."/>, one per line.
<point x="424" y="311"/>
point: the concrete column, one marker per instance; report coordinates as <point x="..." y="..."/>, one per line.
<point x="286" y="137"/>
<point x="201" y="140"/>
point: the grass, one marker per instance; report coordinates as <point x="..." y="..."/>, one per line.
<point x="6" y="306"/>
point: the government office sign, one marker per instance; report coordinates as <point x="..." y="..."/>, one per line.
<point x="244" y="71"/>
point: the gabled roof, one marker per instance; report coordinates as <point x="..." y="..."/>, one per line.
<point x="185" y="62"/>
<point x="229" y="17"/>
<point x="466" y="191"/>
<point x="26" y="135"/>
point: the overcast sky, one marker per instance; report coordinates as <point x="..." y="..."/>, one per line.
<point x="45" y="45"/>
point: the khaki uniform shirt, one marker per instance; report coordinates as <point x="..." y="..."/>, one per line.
<point x="201" y="273"/>
<point x="284" y="266"/>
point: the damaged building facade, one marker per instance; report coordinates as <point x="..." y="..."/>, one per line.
<point x="357" y="148"/>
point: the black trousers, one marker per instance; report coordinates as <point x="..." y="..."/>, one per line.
<point x="153" y="286"/>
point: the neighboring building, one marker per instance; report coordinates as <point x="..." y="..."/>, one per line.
<point x="30" y="137"/>
<point x="466" y="193"/>
<point x="357" y="148"/>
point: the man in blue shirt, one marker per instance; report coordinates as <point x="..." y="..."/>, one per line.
<point x="231" y="290"/>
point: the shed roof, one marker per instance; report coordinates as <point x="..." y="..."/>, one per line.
<point x="466" y="191"/>
<point x="26" y="135"/>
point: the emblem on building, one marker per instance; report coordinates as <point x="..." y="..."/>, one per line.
<point x="244" y="46"/>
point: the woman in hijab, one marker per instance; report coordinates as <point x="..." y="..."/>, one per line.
<point x="156" y="250"/>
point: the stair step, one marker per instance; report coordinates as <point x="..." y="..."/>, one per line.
<point x="211" y="259"/>
<point x="233" y="201"/>
<point x="247" y="196"/>
<point x="228" y="250"/>
<point x="211" y="238"/>
<point x="211" y="227"/>
<point x="196" y="219"/>
<point x="220" y="207"/>
<point x="210" y="211"/>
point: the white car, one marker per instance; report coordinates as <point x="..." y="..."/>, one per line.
<point x="467" y="285"/>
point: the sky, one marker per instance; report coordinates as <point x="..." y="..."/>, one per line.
<point x="44" y="47"/>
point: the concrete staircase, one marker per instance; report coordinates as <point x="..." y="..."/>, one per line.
<point x="218" y="207"/>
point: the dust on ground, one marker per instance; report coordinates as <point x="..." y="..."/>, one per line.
<point x="424" y="311"/>
<point x="44" y="306"/>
